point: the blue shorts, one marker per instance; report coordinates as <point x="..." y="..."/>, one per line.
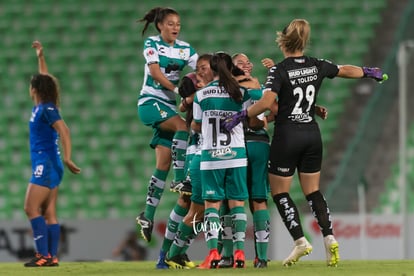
<point x="47" y="170"/>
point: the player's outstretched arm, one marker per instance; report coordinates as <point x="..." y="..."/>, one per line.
<point x="40" y="56"/>
<point x="356" y="72"/>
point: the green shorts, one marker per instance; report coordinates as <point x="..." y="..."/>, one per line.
<point x="222" y="184"/>
<point x="152" y="113"/>
<point x="257" y="177"/>
<point x="195" y="176"/>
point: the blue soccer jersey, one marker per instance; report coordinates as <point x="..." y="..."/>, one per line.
<point x="43" y="137"/>
<point x="47" y="167"/>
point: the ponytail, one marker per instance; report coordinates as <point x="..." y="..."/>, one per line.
<point x="222" y="65"/>
<point x="156" y="15"/>
<point x="294" y="36"/>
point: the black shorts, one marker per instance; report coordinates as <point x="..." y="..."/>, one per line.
<point x="295" y="146"/>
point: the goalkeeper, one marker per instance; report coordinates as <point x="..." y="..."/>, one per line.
<point x="297" y="143"/>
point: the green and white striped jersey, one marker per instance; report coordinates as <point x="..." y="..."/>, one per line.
<point x="220" y="149"/>
<point x="255" y="95"/>
<point x="172" y="60"/>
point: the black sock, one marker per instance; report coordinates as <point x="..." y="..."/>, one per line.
<point x="320" y="211"/>
<point x="289" y="213"/>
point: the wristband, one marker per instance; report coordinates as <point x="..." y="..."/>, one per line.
<point x="176" y="90"/>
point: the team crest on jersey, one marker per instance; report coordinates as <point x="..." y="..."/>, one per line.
<point x="181" y="53"/>
<point x="225" y="153"/>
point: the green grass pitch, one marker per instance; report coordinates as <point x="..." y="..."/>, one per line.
<point x="308" y="268"/>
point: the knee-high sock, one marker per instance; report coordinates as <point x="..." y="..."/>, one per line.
<point x="227" y="236"/>
<point x="212" y="223"/>
<point x="224" y="210"/>
<point x="40" y="235"/>
<point x="191" y="237"/>
<point x="178" y="151"/>
<point x="184" y="234"/>
<point x="289" y="213"/>
<point x="261" y="223"/>
<point x="239" y="219"/>
<point x="320" y="211"/>
<point x="53" y="231"/>
<point x="155" y="190"/>
<point x="176" y="216"/>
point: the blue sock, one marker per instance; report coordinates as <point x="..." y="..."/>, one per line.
<point x="40" y="236"/>
<point x="53" y="231"/>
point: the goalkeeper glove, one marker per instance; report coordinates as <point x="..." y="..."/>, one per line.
<point x="233" y="120"/>
<point x="373" y="72"/>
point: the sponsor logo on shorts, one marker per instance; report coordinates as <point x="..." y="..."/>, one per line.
<point x="283" y="170"/>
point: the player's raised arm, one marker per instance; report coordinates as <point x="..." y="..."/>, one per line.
<point x="40" y="56"/>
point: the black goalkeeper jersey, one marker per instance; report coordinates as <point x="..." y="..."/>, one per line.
<point x="297" y="80"/>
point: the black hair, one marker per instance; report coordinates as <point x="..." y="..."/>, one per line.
<point x="222" y="66"/>
<point x="156" y="15"/>
<point x="47" y="88"/>
<point x="236" y="71"/>
<point x="206" y="56"/>
<point x="189" y="107"/>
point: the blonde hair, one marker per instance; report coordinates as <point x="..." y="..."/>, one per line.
<point x="294" y="36"/>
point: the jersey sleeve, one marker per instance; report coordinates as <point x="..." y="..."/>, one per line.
<point x="274" y="80"/>
<point x="51" y="114"/>
<point x="247" y="100"/>
<point x="150" y="52"/>
<point x="197" y="113"/>
<point x="329" y="69"/>
<point x="192" y="62"/>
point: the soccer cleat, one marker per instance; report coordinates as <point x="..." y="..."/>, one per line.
<point x="175" y="262"/>
<point x="188" y="263"/>
<point x="226" y="262"/>
<point x="211" y="261"/>
<point x="260" y="263"/>
<point x="239" y="259"/>
<point x="332" y="250"/>
<point x="161" y="261"/>
<point x="145" y="227"/>
<point x="302" y="248"/>
<point x="39" y="260"/>
<point x="54" y="261"/>
<point x="182" y="187"/>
